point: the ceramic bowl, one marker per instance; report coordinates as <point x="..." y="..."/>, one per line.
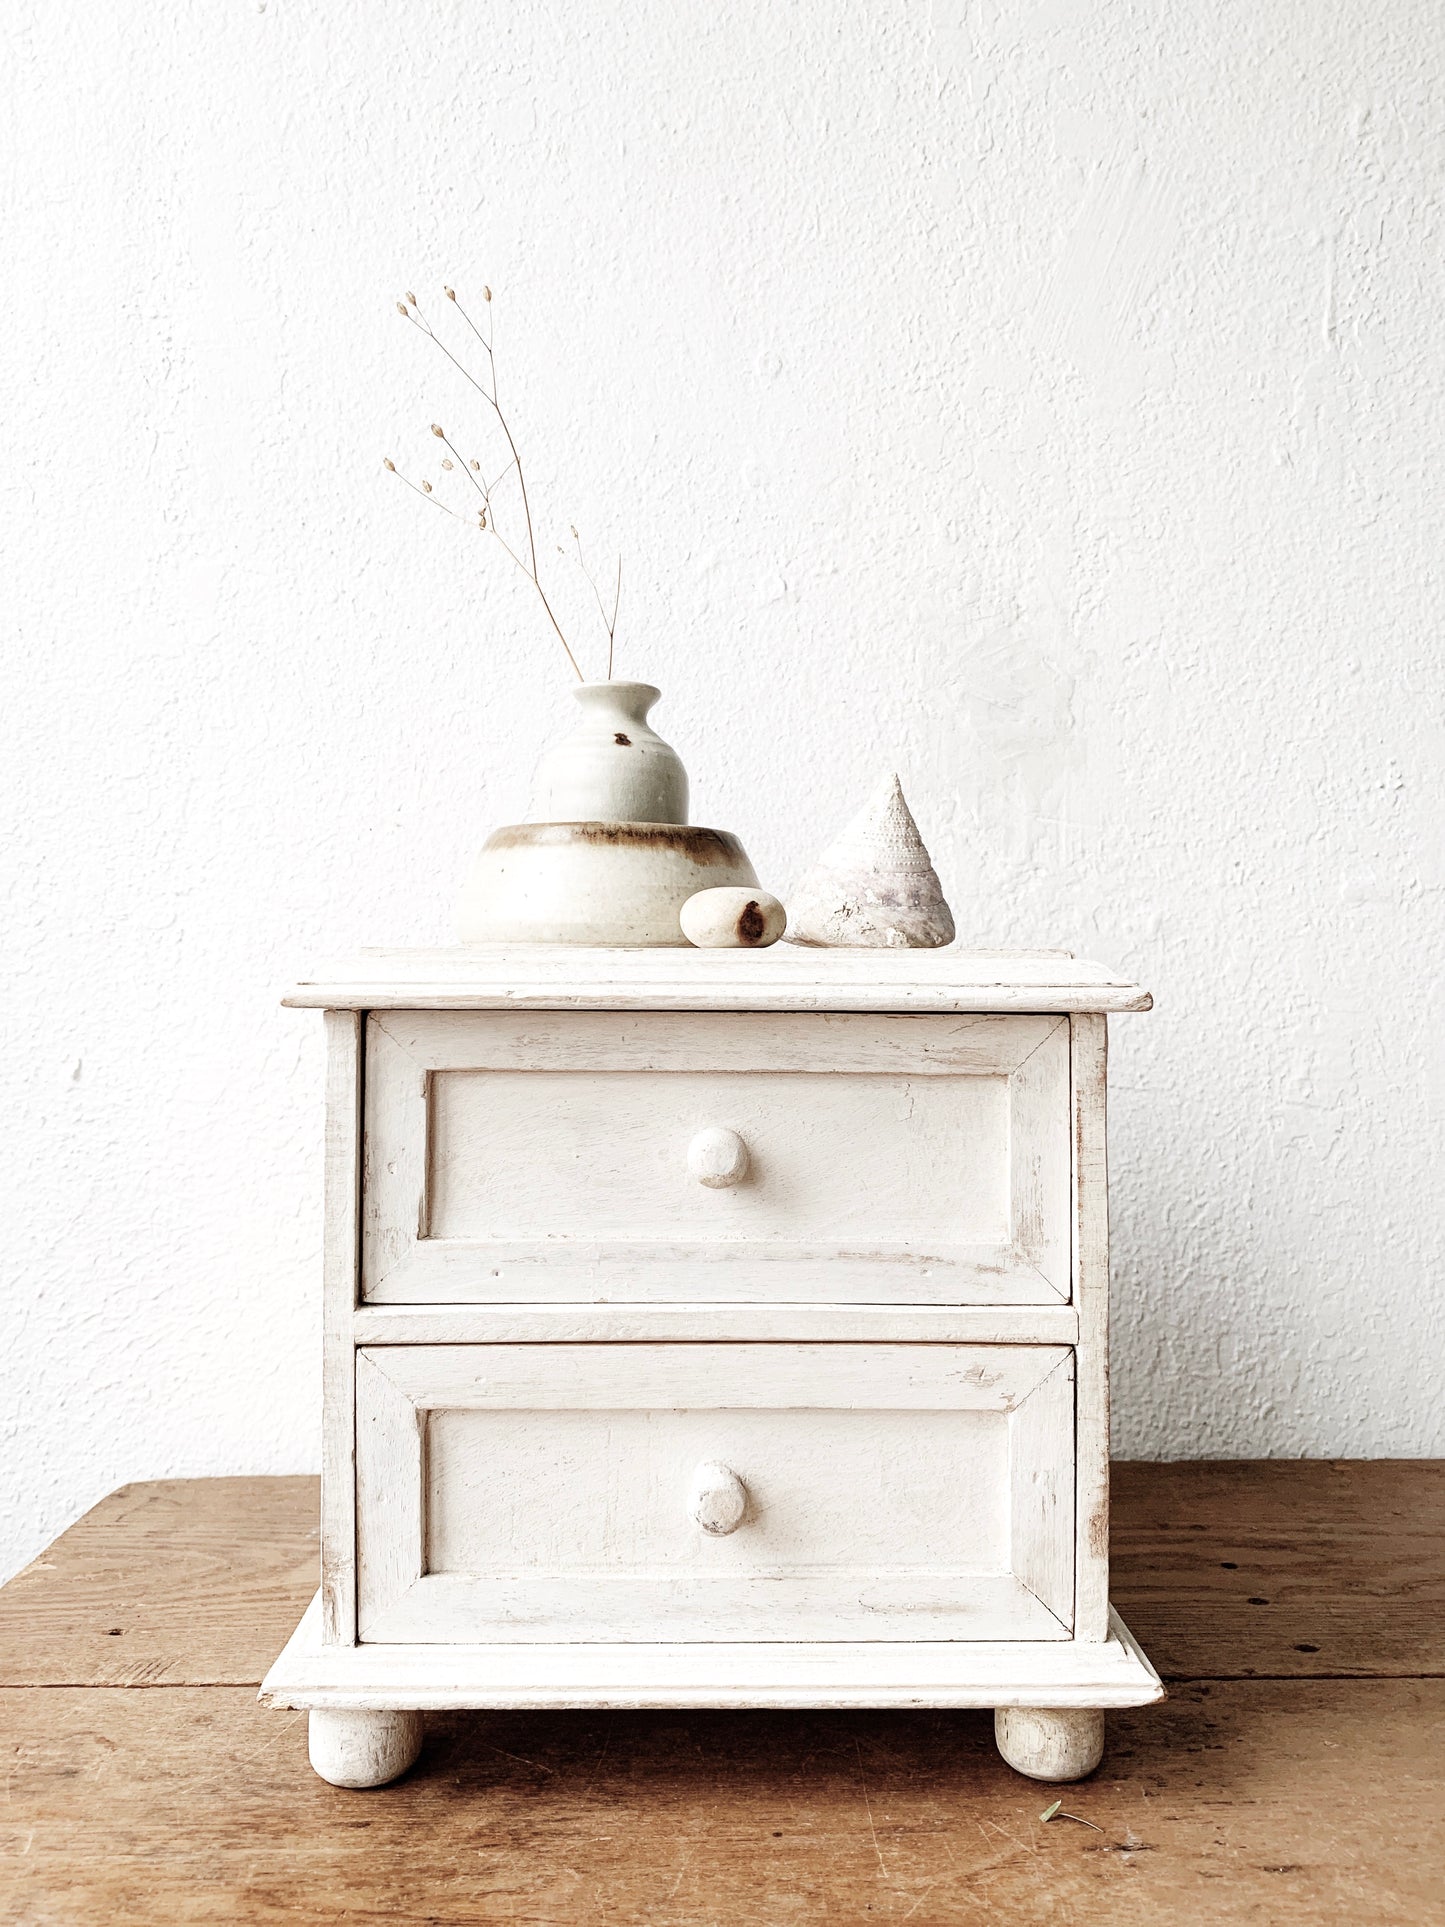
<point x="611" y="884"/>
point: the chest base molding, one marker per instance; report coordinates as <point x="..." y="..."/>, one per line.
<point x="782" y="1673"/>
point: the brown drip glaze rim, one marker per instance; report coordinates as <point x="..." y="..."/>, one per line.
<point x="688" y="839"/>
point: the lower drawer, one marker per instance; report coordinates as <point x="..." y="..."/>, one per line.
<point x="714" y="1492"/>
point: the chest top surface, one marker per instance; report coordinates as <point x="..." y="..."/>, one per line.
<point x="785" y="977"/>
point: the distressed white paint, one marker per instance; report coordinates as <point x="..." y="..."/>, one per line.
<point x="539" y="1492"/>
<point x="834" y="1672"/>
<point x="1045" y="399"/>
<point x="558" y="977"/>
<point x="555" y="1156"/>
<point x="717" y="1499"/>
<point x="919" y="1492"/>
<point x="718" y="1158"/>
<point x="1063" y="1744"/>
<point x="345" y="1041"/>
<point x="1089" y="1054"/>
<point x="631" y="1323"/>
<point x="352" y="1748"/>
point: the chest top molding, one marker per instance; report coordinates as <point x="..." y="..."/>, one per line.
<point x="784" y="977"/>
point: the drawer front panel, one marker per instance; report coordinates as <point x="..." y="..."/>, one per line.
<point x="536" y="1493"/>
<point x="575" y="1157"/>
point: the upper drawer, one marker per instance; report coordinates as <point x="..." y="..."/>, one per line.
<point x="515" y="1156"/>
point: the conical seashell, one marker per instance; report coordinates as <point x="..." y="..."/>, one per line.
<point x="874" y="886"/>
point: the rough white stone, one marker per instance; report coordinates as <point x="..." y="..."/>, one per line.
<point x="733" y="919"/>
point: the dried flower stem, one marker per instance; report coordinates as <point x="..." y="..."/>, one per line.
<point x="489" y="520"/>
<point x="609" y="625"/>
<point x="423" y="491"/>
<point x="419" y="321"/>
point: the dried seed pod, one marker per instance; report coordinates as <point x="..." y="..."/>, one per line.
<point x="427" y="487"/>
<point x="387" y="462"/>
<point x="437" y="431"/>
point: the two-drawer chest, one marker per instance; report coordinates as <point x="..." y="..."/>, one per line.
<point x="714" y="1328"/>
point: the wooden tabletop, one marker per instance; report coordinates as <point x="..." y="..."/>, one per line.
<point x="1294" y="1775"/>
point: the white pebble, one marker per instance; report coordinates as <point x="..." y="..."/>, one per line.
<point x="733" y="919"/>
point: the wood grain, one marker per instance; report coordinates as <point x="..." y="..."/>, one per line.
<point x="1283" y="1567"/>
<point x="1302" y="1801"/>
<point x="206" y="1578"/>
<point x="172" y="1582"/>
<point x="1289" y="1802"/>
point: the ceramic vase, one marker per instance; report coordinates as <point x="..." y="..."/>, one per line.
<point x="613" y="767"/>
<point x="607" y="856"/>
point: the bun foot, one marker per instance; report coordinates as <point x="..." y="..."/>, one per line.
<point x="1063" y="1745"/>
<point x="358" y="1748"/>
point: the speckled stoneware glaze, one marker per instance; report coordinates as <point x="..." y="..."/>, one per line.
<point x="613" y="767"/>
<point x="613" y="884"/>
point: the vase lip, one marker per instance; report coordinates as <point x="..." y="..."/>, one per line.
<point x="631" y="699"/>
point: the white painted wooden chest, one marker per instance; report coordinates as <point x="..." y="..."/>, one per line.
<point x="714" y="1328"/>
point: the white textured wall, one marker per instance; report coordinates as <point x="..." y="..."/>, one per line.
<point x="1043" y="398"/>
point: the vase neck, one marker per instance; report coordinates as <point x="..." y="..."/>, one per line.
<point x="629" y="699"/>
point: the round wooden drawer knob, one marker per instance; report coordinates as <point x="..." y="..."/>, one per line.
<point x="718" y="1500"/>
<point x="717" y="1158"/>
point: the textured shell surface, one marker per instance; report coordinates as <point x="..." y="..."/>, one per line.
<point x="874" y="886"/>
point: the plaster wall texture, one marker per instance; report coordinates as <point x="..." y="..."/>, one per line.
<point x="1042" y="400"/>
